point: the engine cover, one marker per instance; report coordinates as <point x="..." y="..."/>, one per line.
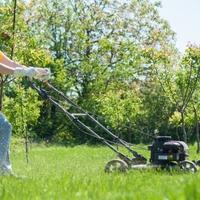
<point x="165" y="150"/>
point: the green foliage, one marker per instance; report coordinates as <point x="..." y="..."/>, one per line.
<point x="175" y="118"/>
<point x="116" y="59"/>
<point x="187" y="78"/>
<point x="22" y="109"/>
<point x="120" y="108"/>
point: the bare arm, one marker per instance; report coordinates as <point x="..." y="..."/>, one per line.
<point x="9" y="67"/>
<point x="4" y="69"/>
<point x="7" y="61"/>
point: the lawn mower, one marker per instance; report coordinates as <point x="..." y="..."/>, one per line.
<point x="165" y="153"/>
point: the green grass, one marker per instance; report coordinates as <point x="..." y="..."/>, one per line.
<point x="78" y="173"/>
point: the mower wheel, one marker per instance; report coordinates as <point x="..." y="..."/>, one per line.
<point x="188" y="166"/>
<point x="116" y="165"/>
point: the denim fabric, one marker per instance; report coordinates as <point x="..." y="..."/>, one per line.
<point x="5" y="135"/>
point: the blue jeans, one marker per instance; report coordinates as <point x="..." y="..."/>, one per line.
<point x="5" y="135"/>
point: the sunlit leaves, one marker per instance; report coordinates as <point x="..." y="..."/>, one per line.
<point x="23" y="109"/>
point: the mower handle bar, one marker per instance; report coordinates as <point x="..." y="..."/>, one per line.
<point x="43" y="93"/>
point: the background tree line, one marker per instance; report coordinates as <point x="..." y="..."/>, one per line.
<point x="116" y="59"/>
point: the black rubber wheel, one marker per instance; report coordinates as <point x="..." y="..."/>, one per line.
<point x="116" y="165"/>
<point x="188" y="166"/>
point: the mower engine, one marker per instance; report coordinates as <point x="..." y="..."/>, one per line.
<point x="164" y="151"/>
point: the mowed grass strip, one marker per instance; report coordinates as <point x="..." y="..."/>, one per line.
<point x="78" y="173"/>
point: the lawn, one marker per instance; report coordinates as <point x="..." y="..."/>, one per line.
<point x="57" y="172"/>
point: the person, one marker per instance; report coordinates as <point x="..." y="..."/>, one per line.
<point x="9" y="67"/>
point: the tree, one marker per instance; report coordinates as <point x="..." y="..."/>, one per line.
<point x="180" y="82"/>
<point x="101" y="44"/>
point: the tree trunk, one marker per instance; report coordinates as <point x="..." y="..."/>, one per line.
<point x="26" y="146"/>
<point x="197" y="135"/>
<point x="197" y="129"/>
<point x="13" y="27"/>
<point x="183" y="127"/>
